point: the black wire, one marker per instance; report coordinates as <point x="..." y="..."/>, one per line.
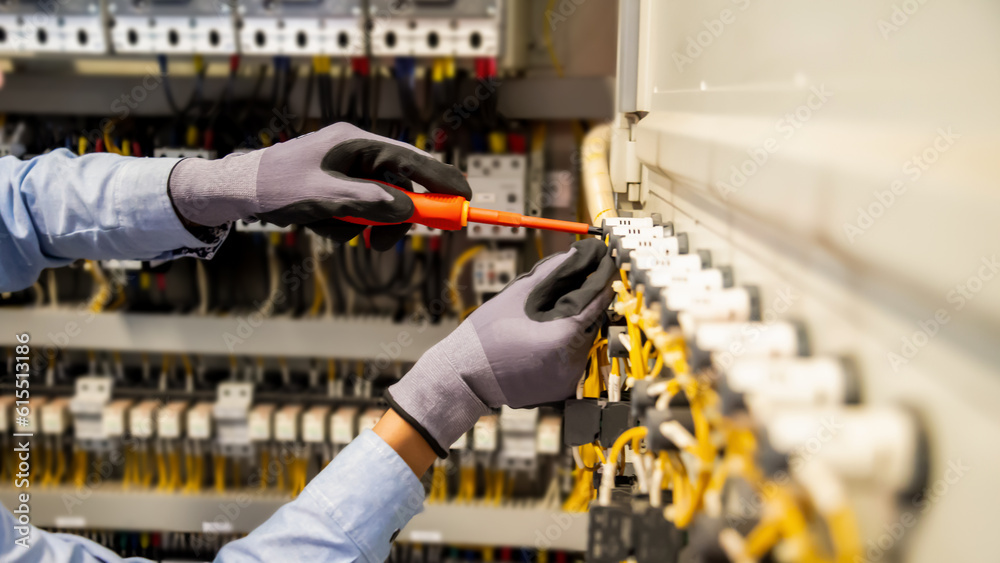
<point x="352" y="100"/>
<point x="376" y="92"/>
<point x="306" y="103"/>
<point x="276" y="83"/>
<point x="338" y="101"/>
<point x="335" y="288"/>
<point x="167" y="90"/>
<point x="366" y="107"/>
<point x="255" y="94"/>
<point x="225" y="97"/>
<point x="355" y="284"/>
<point x="323" y="90"/>
<point x="291" y="76"/>
<point x="367" y="262"/>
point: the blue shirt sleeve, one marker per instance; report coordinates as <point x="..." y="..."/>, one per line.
<point x="58" y="207"/>
<point x="39" y="546"/>
<point x="349" y="512"/>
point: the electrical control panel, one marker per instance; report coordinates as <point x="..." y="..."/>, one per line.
<point x="499" y="182"/>
<point x="458" y="28"/>
<point x="174" y="27"/>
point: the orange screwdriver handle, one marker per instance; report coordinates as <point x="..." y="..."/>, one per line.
<point x="437" y="211"/>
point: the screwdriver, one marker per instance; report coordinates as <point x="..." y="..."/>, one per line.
<point x="452" y="212"/>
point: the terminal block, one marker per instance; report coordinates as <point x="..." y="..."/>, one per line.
<point x="344" y="425"/>
<point x="518" y="430"/>
<point x="485" y="434"/>
<point x="610" y="534"/>
<point x="170" y="420"/>
<point x="262" y="422"/>
<point x="583" y="422"/>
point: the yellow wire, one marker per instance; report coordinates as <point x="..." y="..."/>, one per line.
<point x="456" y="272"/>
<point x="264" y="461"/>
<point x="102" y="290"/>
<point x="466" y="484"/>
<point x="175" y="470"/>
<point x="439" y="485"/>
<point x="637" y="433"/>
<point x="161" y="470"/>
<point x="220" y="474"/>
<point x="549" y="44"/>
<point x="317" y="302"/>
<point x="108" y="144"/>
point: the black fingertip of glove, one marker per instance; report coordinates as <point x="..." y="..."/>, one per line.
<point x="336" y="230"/>
<point x="386" y="236"/>
<point x="574" y="284"/>
<point x="431" y="441"/>
<point x="384" y="162"/>
<point x="443" y="178"/>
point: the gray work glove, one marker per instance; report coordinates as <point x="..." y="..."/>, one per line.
<point x="310" y="180"/>
<point x="526" y="346"/>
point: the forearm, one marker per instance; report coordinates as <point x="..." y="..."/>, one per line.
<point x="57" y="207"/>
<point x="406" y="441"/>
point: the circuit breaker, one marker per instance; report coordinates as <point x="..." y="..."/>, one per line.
<point x="172" y="27"/>
<point x="295" y="27"/>
<point x="492" y="270"/>
<point x="498" y="182"/>
<point x="92" y="395"/>
<point x="67" y="26"/>
<point x="232" y="414"/>
<point x="457" y="28"/>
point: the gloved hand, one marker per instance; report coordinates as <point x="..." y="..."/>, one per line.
<point x="310" y="180"/>
<point x="526" y="346"/>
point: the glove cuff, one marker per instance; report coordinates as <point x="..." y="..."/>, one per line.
<point x="435" y="399"/>
<point x="215" y="192"/>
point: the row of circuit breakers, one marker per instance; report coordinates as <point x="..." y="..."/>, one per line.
<point x="235" y="422"/>
<point x="423" y="28"/>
